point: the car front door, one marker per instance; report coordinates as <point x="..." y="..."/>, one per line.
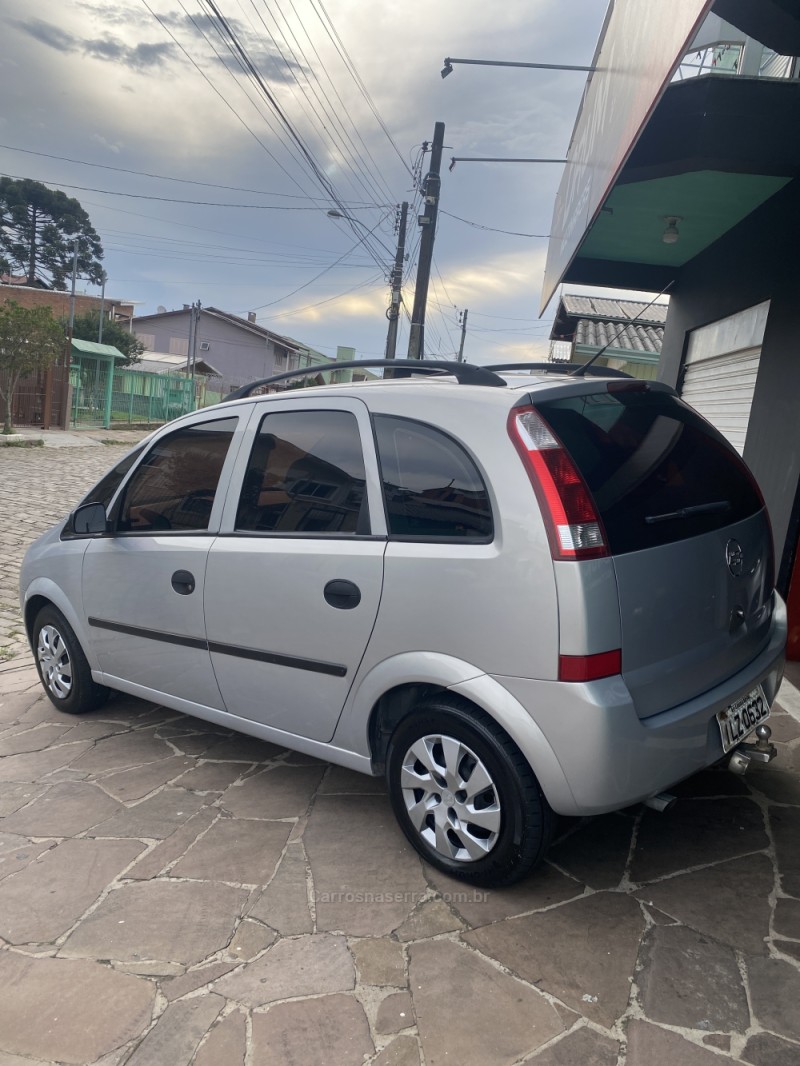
<point x="143" y="581"/>
<point x="294" y="579"/>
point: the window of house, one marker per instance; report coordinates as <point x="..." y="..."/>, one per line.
<point x="175" y="485"/>
<point x="432" y="488"/>
<point x="305" y="475"/>
<point x="179" y="346"/>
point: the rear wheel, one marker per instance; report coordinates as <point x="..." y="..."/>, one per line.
<point x="63" y="668"/>
<point x="465" y="796"/>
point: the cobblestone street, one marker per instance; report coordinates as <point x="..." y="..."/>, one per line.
<point x="172" y="893"/>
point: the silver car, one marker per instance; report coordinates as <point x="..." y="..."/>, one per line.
<point x="514" y="594"/>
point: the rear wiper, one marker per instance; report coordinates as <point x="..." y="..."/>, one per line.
<point x="716" y="507"/>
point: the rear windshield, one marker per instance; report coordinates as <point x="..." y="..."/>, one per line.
<point x="658" y="471"/>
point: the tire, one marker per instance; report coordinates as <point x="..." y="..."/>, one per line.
<point x="438" y="757"/>
<point x="63" y="669"/>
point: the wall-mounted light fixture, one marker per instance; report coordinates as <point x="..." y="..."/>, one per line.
<point x="671" y="234"/>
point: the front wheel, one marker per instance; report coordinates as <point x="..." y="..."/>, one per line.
<point x="465" y="796"/>
<point x="63" y="670"/>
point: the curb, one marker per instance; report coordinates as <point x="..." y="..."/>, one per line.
<point x="19" y="440"/>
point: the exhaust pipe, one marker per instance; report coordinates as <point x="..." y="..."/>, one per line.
<point x="661" y="802"/>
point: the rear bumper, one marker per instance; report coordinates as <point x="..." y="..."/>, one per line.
<point x="610" y="757"/>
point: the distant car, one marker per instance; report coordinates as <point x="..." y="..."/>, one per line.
<point x="512" y="593"/>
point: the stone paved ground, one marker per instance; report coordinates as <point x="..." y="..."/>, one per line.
<point x="171" y="893"/>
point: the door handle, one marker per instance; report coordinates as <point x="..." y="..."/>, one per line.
<point x="183" y="582"/>
<point x="342" y="594"/>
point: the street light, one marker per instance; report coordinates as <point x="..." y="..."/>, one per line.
<point x="395" y="277"/>
<point x="449" y="61"/>
<point x="333" y="213"/>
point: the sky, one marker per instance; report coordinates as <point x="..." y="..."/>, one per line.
<point x="210" y="182"/>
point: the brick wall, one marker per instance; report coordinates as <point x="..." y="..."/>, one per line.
<point x="59" y="301"/>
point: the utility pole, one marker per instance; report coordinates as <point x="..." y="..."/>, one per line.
<point x="102" y="309"/>
<point x="431" y="188"/>
<point x="194" y="322"/>
<point x="463" y="335"/>
<point x="393" y="313"/>
<point x="71" y="323"/>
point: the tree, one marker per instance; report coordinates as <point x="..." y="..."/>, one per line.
<point x="30" y="340"/>
<point x="38" y="229"/>
<point x="87" y="328"/>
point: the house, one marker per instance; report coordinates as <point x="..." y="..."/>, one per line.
<point x="628" y="332"/>
<point x="30" y="296"/>
<point x="238" y="348"/>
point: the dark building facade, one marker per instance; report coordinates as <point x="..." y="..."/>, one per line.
<point x="705" y="204"/>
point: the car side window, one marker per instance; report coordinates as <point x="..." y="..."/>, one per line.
<point x="176" y="482"/>
<point x="432" y="488"/>
<point x="305" y="475"/>
<point x="104" y="490"/>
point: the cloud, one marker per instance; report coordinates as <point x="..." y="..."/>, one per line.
<point x="107" y="48"/>
<point x="140" y="57"/>
<point x="266" y="58"/>
<point x="109" y="145"/>
<point x="47" y="33"/>
<point x="113" y="48"/>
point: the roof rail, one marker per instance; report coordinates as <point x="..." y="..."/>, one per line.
<point x="465" y="373"/>
<point x="560" y="368"/>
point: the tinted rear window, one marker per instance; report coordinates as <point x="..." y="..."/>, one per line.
<point x="658" y="472"/>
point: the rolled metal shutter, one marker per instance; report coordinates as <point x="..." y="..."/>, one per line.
<point x="721" y="389"/>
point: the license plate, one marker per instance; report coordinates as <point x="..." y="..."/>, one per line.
<point x="741" y="718"/>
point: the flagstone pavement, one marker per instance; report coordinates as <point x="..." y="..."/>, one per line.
<point x="173" y="893"/>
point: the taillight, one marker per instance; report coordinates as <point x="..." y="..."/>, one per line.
<point x="573" y="525"/>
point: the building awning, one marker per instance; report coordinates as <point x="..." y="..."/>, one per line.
<point x="640" y="48"/>
<point x="707" y="153"/>
<point x="715" y="149"/>
<point x="93" y="348"/>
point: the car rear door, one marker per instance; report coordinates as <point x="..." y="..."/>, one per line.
<point x="143" y="582"/>
<point x="688" y="532"/>
<point x="294" y="580"/>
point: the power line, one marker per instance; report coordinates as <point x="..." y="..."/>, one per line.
<point x="239" y="52"/>
<point x="352" y="155"/>
<point x="183" y="181"/>
<point x="351" y="69"/>
<point x="302" y="252"/>
<point x="493" y="229"/>
<point x="175" y="200"/>
<point x="228" y="260"/>
<point x="319" y="303"/>
<point x="342" y="106"/>
<point x="312" y="280"/>
<point x="227" y="103"/>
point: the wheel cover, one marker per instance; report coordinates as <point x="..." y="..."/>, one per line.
<point x="54" y="662"/>
<point x="451" y="799"/>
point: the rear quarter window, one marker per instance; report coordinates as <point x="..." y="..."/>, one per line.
<point x="658" y="472"/>
<point x="431" y="487"/>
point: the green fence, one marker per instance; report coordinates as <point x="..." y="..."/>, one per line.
<point x="136" y="396"/>
<point x="139" y="396"/>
